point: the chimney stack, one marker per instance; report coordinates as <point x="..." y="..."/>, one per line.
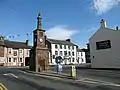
<point x="117" y="28"/>
<point x="68" y="40"/>
<point x="103" y="23"/>
<point x="26" y="42"/>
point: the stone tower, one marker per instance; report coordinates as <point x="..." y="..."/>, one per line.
<point x="39" y="52"/>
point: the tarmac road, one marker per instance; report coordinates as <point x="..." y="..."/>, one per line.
<point x="14" y="79"/>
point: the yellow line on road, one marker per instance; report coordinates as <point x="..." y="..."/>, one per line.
<point x="2" y="87"/>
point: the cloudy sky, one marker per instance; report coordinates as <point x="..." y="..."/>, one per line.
<point x="62" y="19"/>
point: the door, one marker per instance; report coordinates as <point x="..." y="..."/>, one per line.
<point x="14" y="61"/>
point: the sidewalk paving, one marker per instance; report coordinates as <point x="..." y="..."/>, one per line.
<point x="77" y="65"/>
<point x="51" y="74"/>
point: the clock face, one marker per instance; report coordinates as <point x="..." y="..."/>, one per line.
<point x="41" y="40"/>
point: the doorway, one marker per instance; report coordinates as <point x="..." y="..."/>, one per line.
<point x="27" y="61"/>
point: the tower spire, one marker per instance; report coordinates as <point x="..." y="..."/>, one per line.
<point x="39" y="22"/>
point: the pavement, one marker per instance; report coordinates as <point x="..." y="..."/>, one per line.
<point x="22" y="78"/>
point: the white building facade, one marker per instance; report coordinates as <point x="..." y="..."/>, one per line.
<point x="105" y="47"/>
<point x="65" y="49"/>
<point x="81" y="59"/>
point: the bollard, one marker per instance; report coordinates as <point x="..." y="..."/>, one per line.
<point x="73" y="72"/>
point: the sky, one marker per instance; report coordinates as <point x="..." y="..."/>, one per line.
<point x="77" y="20"/>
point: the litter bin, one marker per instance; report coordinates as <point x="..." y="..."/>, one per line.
<point x="59" y="67"/>
<point x="73" y="71"/>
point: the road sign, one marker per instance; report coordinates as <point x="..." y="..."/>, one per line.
<point x="58" y="59"/>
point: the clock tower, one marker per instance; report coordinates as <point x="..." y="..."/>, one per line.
<point x="40" y="50"/>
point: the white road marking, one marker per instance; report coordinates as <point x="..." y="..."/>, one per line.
<point x="14" y="75"/>
<point x="87" y="80"/>
<point x="10" y="74"/>
<point x="22" y="71"/>
<point x="5" y="74"/>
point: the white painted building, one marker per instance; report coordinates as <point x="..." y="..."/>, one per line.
<point x="64" y="48"/>
<point x="81" y="57"/>
<point x="105" y="47"/>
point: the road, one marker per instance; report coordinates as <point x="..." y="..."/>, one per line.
<point x="14" y="79"/>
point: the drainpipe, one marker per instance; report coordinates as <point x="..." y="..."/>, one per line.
<point x="18" y="57"/>
<point x="23" y="58"/>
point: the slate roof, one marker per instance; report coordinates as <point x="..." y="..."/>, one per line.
<point x="62" y="42"/>
<point x="85" y="50"/>
<point x="105" y="28"/>
<point x="15" y="44"/>
<point x="79" y="50"/>
<point x="2" y="43"/>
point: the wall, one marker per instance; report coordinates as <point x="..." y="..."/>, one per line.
<point x="53" y="49"/>
<point x="105" y="58"/>
<point x="80" y="56"/>
<point x="26" y="53"/>
<point x="21" y="54"/>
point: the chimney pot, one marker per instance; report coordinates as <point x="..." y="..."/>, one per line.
<point x="68" y="40"/>
<point x="26" y="42"/>
<point x="103" y="23"/>
<point x="117" y="28"/>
